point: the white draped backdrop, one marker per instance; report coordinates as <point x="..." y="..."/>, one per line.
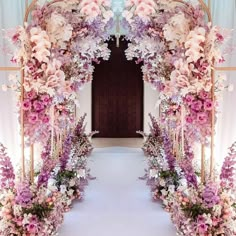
<point x="11" y="15"/>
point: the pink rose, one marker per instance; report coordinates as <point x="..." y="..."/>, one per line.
<point x="189" y="119"/>
<point x="31" y="94"/>
<point x="202" y="118"/>
<point x="46" y="119"/>
<point x="189" y="99"/>
<point x="45" y="99"/>
<point x="208" y="105"/>
<point x="33" y="118"/>
<point x="38" y="105"/>
<point x="203" y="94"/>
<point x="26" y="105"/>
<point x="197" y="105"/>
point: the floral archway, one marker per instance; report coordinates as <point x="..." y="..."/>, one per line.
<point x="56" y="48"/>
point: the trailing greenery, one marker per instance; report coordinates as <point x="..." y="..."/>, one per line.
<point x="64" y="175"/>
<point x="171" y="175"/>
<point x="40" y="210"/>
<point x="194" y="210"/>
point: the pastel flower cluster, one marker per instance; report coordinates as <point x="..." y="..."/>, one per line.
<point x="178" y="49"/>
<point x="208" y="208"/>
<point x="57" y="49"/>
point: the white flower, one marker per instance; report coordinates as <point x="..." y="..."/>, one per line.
<point x="4" y="87"/>
<point x="72" y="183"/>
<point x="82" y="173"/>
<point x="231" y="88"/>
<point x="162" y="182"/>
<point x="63" y="189"/>
<point x="164" y="192"/>
<point x="153" y="173"/>
<point x="171" y="188"/>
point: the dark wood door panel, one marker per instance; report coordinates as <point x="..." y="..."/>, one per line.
<point x="117" y="95"/>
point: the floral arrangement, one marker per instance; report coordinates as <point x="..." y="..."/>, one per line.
<point x="163" y="174"/>
<point x="57" y="49"/>
<point x="25" y="208"/>
<point x="207" y="208"/>
<point x="178" y="49"/>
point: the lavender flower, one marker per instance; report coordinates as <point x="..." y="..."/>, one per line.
<point x="80" y="127"/>
<point x="168" y="149"/>
<point x="187" y="166"/>
<point x="24" y="195"/>
<point x="66" y="152"/>
<point x="7" y="176"/>
<point x="210" y="195"/>
<point x="227" y="175"/>
<point x="48" y="165"/>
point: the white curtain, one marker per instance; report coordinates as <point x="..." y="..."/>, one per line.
<point x="11" y="15"/>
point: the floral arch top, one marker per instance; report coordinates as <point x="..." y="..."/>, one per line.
<point x="178" y="48"/>
<point x="57" y="49"/>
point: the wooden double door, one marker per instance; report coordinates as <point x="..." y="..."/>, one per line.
<point x="117" y="95"/>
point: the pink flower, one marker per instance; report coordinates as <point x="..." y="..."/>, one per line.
<point x="202" y="228"/>
<point x="26" y="105"/>
<point x="202" y="118"/>
<point x="38" y="105"/>
<point x="46" y="119"/>
<point x="91" y="10"/>
<point x="45" y="99"/>
<point x="189" y="119"/>
<point x="32" y="227"/>
<point x="31" y="94"/>
<point x="189" y="99"/>
<point x="208" y="105"/>
<point x="144" y="10"/>
<point x="197" y="105"/>
<point x="33" y="118"/>
<point x="203" y="94"/>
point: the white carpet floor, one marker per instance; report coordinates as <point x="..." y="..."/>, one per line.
<point x="117" y="203"/>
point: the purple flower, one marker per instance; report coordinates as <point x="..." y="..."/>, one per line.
<point x="7" y="176"/>
<point x="210" y="195"/>
<point x="66" y="152"/>
<point x="24" y="195"/>
<point x="168" y="148"/>
<point x="228" y="168"/>
<point x="48" y="165"/>
<point x="187" y="166"/>
<point x="196" y="105"/>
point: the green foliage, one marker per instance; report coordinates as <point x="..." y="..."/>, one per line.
<point x="234" y="205"/>
<point x="40" y="210"/>
<point x="64" y="176"/>
<point x="171" y="175"/>
<point x="194" y="210"/>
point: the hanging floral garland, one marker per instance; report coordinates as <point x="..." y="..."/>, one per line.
<point x="178" y="50"/>
<point x="57" y="49"/>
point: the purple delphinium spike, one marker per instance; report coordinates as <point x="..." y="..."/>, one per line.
<point x="210" y="194"/>
<point x="80" y="127"/>
<point x="66" y="152"/>
<point x="187" y="166"/>
<point x="168" y="149"/>
<point x="48" y="165"/>
<point x="7" y="176"/>
<point x="24" y="195"/>
<point x="227" y="175"/>
<point x="154" y="127"/>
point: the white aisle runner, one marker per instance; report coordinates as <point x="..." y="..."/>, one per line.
<point x="117" y="203"/>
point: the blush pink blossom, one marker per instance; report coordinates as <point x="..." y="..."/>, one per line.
<point x="196" y="105"/>
<point x="26" y="105"/>
<point x="208" y="105"/>
<point x="38" y="105"/>
<point x="33" y="117"/>
<point x="202" y="118"/>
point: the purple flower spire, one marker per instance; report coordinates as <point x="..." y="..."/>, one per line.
<point x="66" y="152"/>
<point x="187" y="166"/>
<point x="48" y="165"/>
<point x="154" y="127"/>
<point x="80" y="127"/>
<point x="7" y="176"/>
<point x="210" y="195"/>
<point x="227" y="175"/>
<point x="24" y="196"/>
<point x="168" y="149"/>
